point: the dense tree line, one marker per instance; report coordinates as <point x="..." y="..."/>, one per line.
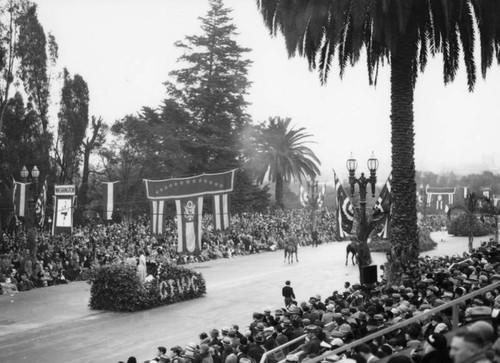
<point x="202" y="126"/>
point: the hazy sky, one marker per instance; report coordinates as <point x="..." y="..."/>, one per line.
<point x="124" y="50"/>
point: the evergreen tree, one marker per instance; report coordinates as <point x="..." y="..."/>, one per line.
<point x="25" y="54"/>
<point x="73" y="122"/>
<point x="211" y="88"/>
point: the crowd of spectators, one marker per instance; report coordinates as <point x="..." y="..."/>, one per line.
<point x="63" y="258"/>
<point x="358" y="310"/>
<point x="339" y="319"/>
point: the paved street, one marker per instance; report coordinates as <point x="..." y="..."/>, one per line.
<point x="55" y="325"/>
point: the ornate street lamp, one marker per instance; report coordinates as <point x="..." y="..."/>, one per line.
<point x="31" y="213"/>
<point x="362" y="182"/>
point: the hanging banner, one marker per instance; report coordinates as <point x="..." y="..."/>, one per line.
<point x="64" y="203"/>
<point x="221" y="212"/>
<point x="188" y="195"/>
<point x="108" y="193"/>
<point x="189" y="214"/>
<point x="176" y="188"/>
<point x="157" y="222"/>
<point x="21" y="196"/>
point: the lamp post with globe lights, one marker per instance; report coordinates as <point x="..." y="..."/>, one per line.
<point x="30" y="221"/>
<point x="365" y="228"/>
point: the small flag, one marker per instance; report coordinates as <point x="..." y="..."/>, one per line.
<point x="321" y="196"/>
<point x="303" y="197"/>
<point x="345" y="210"/>
<point x="383" y="203"/>
<point x="383" y="206"/>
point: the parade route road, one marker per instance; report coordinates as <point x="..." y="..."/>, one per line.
<point x="54" y="324"/>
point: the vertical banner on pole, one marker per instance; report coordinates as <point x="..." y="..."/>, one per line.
<point x="21" y="196"/>
<point x="189" y="216"/>
<point x="157" y="219"/>
<point x="221" y="211"/>
<point x="108" y="193"/>
<point x="64" y="199"/>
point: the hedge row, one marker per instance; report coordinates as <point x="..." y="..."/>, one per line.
<point x="118" y="288"/>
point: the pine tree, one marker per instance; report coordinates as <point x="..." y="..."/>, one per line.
<point x="211" y="88"/>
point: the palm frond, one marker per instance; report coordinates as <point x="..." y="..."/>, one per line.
<point x="466" y="29"/>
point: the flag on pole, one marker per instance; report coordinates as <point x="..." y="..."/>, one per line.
<point x="383" y="206"/>
<point x="108" y="193"/>
<point x="345" y="210"/>
<point x="41" y="204"/>
<point x="21" y="197"/>
<point x="157" y="219"/>
<point x="303" y="197"/>
<point x="321" y="196"/>
<point x="221" y="211"/>
<point x="189" y="216"/>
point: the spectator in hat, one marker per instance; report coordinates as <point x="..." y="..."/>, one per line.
<point x="204" y="339"/>
<point x="255" y="349"/>
<point x="281" y="338"/>
<point x="312" y="346"/>
<point x="241" y="354"/>
<point x="228" y="355"/>
<point x="429" y="328"/>
<point x="412" y="334"/>
<point x="468" y="346"/>
<point x="268" y="318"/>
<point x="484" y="329"/>
<point x="190" y="353"/>
<point x="176" y="355"/>
<point x="236" y="328"/>
<point x="327" y="317"/>
<point x="365" y="351"/>
<point x="214" y="338"/>
<point x="161" y="356"/>
<point x="496" y="351"/>
<point x="205" y="356"/>
<point x="435" y="349"/>
<point x="288" y="293"/>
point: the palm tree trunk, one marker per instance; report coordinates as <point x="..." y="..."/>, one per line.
<point x="279" y="191"/>
<point x="403" y="259"/>
<point x="472" y="218"/>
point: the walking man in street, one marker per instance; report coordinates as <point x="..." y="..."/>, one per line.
<point x="288" y="293"/>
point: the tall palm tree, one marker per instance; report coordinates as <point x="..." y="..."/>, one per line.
<point x="401" y="34"/>
<point x="283" y="155"/>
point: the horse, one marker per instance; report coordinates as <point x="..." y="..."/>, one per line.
<point x="352" y="247"/>
<point x="290" y="249"/>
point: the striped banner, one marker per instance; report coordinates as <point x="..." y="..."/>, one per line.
<point x="108" y="194"/>
<point x="221" y="211"/>
<point x="157" y="216"/>
<point x="20" y="195"/>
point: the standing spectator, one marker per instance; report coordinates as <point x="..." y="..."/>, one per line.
<point x="288" y="293"/>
